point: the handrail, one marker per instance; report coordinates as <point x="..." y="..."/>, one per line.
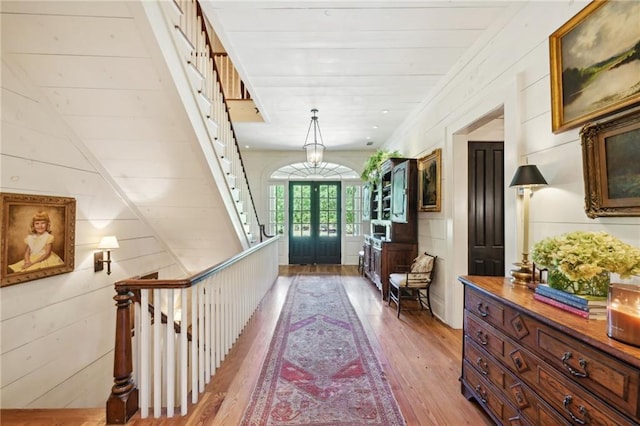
<point x="138" y="283"/>
<point x="230" y="289"/>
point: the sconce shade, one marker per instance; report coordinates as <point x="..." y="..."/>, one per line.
<point x="314" y="149"/>
<point x="527" y="175"/>
<point x="109" y="242"/>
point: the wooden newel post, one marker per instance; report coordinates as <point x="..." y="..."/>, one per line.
<point x="123" y="401"/>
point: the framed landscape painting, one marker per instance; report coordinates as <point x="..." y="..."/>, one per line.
<point x="611" y="165"/>
<point x="595" y="63"/>
<point x="429" y="174"/>
<point x="38" y="237"/>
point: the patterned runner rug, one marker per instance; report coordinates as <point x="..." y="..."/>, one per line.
<point x="320" y="368"/>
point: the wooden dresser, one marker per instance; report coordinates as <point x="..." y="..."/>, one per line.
<point x="528" y="363"/>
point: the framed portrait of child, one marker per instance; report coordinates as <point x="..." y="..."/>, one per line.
<point x="38" y="237"/>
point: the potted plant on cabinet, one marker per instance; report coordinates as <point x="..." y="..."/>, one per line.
<point x="371" y="170"/>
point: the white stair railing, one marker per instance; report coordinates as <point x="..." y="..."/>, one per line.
<point x="166" y="360"/>
<point x="184" y="19"/>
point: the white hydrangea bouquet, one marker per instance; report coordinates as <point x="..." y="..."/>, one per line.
<point x="580" y="262"/>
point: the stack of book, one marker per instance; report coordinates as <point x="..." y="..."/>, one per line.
<point x="591" y="307"/>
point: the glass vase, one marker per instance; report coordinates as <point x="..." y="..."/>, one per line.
<point x="595" y="286"/>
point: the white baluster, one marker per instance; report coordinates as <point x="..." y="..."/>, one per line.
<point x="157" y="355"/>
<point x="145" y="345"/>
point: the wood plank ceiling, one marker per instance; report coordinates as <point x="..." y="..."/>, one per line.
<point x="366" y="66"/>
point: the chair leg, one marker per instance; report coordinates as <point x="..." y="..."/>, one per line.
<point x="428" y="301"/>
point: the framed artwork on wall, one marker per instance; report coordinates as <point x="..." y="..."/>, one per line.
<point x="595" y="63"/>
<point x="429" y="174"/>
<point x="38" y="237"/>
<point x="611" y="165"/>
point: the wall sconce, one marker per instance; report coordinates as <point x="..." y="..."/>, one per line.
<point x="107" y="244"/>
<point x="525" y="178"/>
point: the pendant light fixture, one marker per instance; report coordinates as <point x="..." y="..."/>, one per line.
<point x="314" y="148"/>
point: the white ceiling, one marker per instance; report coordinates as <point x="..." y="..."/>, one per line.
<point x="352" y="60"/>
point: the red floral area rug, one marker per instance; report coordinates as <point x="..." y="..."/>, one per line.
<point x="320" y="368"/>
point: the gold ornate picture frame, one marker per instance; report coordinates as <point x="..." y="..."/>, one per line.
<point x="594" y="63"/>
<point x="38" y="237"/>
<point x="429" y="181"/>
<point x="611" y="165"/>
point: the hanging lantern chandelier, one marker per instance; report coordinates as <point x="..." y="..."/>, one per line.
<point x="314" y="149"/>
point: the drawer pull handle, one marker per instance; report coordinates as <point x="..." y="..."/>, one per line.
<point x="583" y="364"/>
<point x="483" y="309"/>
<point x="483" y="338"/>
<point x="482" y="393"/>
<point x="568" y="399"/>
<point x="482" y="366"/>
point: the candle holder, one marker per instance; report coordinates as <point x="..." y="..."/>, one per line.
<point x="623" y="313"/>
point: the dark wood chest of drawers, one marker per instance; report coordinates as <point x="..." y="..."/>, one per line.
<point x="528" y="363"/>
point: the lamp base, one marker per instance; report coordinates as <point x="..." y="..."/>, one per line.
<point x="523" y="275"/>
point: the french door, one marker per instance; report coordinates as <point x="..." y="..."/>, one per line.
<point x="314" y="223"/>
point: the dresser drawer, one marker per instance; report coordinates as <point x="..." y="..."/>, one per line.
<point x="489" y="397"/>
<point x="604" y="375"/>
<point x="574" y="403"/>
<point x="484" y="335"/>
<point x="482" y="363"/>
<point x="513" y="389"/>
<point x="484" y="307"/>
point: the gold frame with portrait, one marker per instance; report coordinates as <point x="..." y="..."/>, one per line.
<point x="16" y="214"/>
<point x="572" y="82"/>
<point x="429" y="176"/>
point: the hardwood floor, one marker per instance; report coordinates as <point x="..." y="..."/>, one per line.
<point x="420" y="355"/>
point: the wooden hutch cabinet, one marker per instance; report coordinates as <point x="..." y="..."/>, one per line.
<point x="393" y="213"/>
<point x="529" y="363"/>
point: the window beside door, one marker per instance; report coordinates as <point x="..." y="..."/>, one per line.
<point x="353" y="210"/>
<point x="277" y="213"/>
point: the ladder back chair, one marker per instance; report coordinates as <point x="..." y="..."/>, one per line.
<point x="412" y="284"/>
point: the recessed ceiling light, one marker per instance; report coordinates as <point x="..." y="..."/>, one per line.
<point x="385" y="111"/>
<point x="368" y="137"/>
<point x="246" y="146"/>
<point x="375" y="127"/>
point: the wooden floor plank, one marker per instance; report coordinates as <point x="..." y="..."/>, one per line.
<point x="420" y="355"/>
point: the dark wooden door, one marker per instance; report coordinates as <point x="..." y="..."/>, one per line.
<point x="486" y="208"/>
<point x="314" y="223"/>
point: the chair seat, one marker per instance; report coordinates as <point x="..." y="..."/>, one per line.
<point x="413" y="283"/>
<point x="410" y="280"/>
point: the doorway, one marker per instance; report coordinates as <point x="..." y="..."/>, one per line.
<point x="314" y="223"/>
<point x="486" y="208"/>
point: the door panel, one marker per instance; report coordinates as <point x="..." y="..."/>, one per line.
<point x="400" y="182"/>
<point x="314" y="218"/>
<point x="486" y="209"/>
<point x="301" y="245"/>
